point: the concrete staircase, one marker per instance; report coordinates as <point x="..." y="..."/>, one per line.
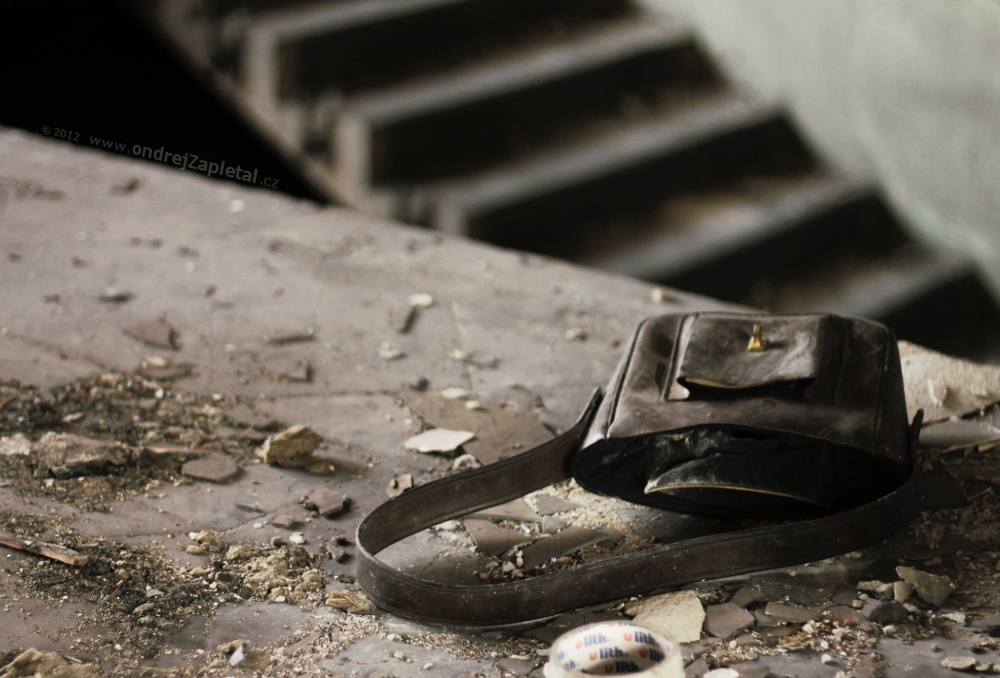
<point x="583" y="129"/>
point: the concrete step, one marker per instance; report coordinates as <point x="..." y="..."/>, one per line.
<point x="464" y="122"/>
<point x="688" y="236"/>
<point x="341" y="48"/>
<point x="547" y="197"/>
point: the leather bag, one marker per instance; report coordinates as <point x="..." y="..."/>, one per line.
<point x="728" y="415"/>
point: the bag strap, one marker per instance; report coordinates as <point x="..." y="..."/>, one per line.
<point x="665" y="566"/>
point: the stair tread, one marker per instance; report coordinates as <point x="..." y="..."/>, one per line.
<point x="873" y="288"/>
<point x="622" y="146"/>
<point x="694" y="228"/>
<point x="522" y="70"/>
<point x="317" y="19"/>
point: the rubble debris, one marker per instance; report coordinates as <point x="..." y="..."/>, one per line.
<point x="516" y="509"/>
<point x="159" y="333"/>
<point x="328" y="503"/>
<point x="214" y="468"/>
<point x="399" y="485"/>
<point x="388" y="352"/>
<point x="290" y="335"/>
<point x="959" y="663"/>
<point x="354" y="602"/>
<point x="722" y="673"/>
<point x="792" y="614"/>
<point x="294" y="448"/>
<point x="438" y="440"/>
<point x="465" y="462"/>
<point x="678" y="615"/>
<point x="748" y="595"/>
<point x="491" y="539"/>
<point x="42" y="548"/>
<point x="888" y="612"/>
<point x="659" y="295"/>
<point x="127" y="186"/>
<point x="726" y="620"/>
<point x="931" y="588"/>
<point x="454" y="393"/>
<point x="551" y="524"/>
<point x="66" y="455"/>
<point x="113" y="295"/>
<point x="421" y="300"/>
<point x="945" y="387"/>
<point x="15" y="445"/>
<point x="500" y="432"/>
<point x="291" y="370"/>
<point x="286" y="521"/>
<point x="401" y="317"/>
<point x="547" y="505"/>
<point x="567" y="541"/>
<point x="35" y="664"/>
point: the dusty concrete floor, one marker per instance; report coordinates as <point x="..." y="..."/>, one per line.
<point x="92" y="246"/>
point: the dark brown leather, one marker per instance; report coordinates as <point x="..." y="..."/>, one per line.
<point x="830" y="387"/>
<point x="812" y="389"/>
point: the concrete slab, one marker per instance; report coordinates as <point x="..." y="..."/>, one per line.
<point x="226" y="266"/>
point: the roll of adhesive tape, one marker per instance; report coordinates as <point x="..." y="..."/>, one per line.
<point x="609" y="648"/>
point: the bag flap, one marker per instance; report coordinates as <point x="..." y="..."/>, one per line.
<point x="742" y="352"/>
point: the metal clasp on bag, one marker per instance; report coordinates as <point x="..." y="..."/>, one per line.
<point x="758" y="342"/>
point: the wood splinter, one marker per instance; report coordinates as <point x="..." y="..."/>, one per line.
<point x="41" y="548"/>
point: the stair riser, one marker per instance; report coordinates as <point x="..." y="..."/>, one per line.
<point x="530" y="223"/>
<point x="478" y="134"/>
<point x="366" y="55"/>
<point x="863" y="226"/>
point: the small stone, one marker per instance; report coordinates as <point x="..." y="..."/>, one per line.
<point x="196" y="550"/>
<point x="297" y="538"/>
<point x="551" y="524"/>
<point x="328" y="503"/>
<point x="931" y="588"/>
<point x="237" y="656"/>
<point x="722" y="673"/>
<point x="143" y="609"/>
<point x="678" y="615"/>
<point x="465" y="462"/>
<point x="15" y="445"/>
<point x="889" y="612"/>
<point x="959" y="663"/>
<point x="387" y="352"/>
<point x="399" y="485"/>
<point x="901" y="591"/>
<point x="286" y="521"/>
<point x="294" y="448"/>
<point x="354" y="602"/>
<point x="575" y="334"/>
<point x="113" y="295"/>
<point x="748" y="595"/>
<point x="159" y="333"/>
<point x="214" y="468"/>
<point x="401" y="318"/>
<point x="726" y="619"/>
<point x="65" y="455"/>
<point x="421" y="300"/>
<point x="454" y="393"/>
<point x="438" y="440"/>
<point x="658" y="295"/>
<point x="290" y="335"/>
